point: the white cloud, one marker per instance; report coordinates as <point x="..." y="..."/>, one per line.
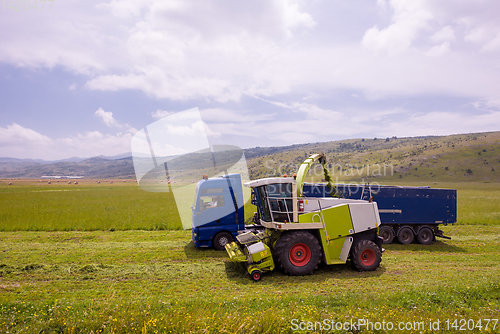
<point x="446" y="34"/>
<point x="410" y="17"/>
<point x="444" y="122"/>
<point x="17" y="141"/>
<point x="220" y="52"/>
<point x="208" y="50"/>
<point x="311" y="123"/>
<point x="490" y="104"/>
<point x="125" y="8"/>
<point x="224" y="55"/>
<point x="95" y="143"/>
<point x="362" y="124"/>
<point x="311" y="111"/>
<point x="106" y="117"/>
<point x="227" y="115"/>
<point x="110" y="121"/>
<point x="16" y="135"/>
<point x="161" y="113"/>
<point x="438" y="50"/>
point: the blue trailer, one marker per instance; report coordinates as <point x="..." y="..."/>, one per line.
<point x="217" y="213"/>
<point x="406" y="213"/>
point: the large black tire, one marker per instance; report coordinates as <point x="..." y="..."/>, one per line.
<point x="425" y="236"/>
<point x="365" y="255"/>
<point x="297" y="253"/>
<point x="387" y="234"/>
<point x="221" y="239"/>
<point x="405" y="235"/>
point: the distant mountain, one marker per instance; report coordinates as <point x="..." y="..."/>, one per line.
<point x="72" y="159"/>
<point x="116" y="157"/>
<point x="462" y="157"/>
<point x="119" y="166"/>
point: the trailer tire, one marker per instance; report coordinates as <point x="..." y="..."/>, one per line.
<point x="297" y="253"/>
<point x="366" y="255"/>
<point x="425" y="236"/>
<point x="221" y="239"/>
<point x="387" y="234"/>
<point x="405" y="235"/>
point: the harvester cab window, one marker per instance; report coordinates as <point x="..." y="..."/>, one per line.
<point x="275" y="200"/>
<point x="261" y="203"/>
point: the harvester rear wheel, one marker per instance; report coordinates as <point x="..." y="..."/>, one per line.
<point x="297" y="253"/>
<point x="405" y="235"/>
<point x="387" y="233"/>
<point x="221" y="239"/>
<point x="366" y="255"/>
<point x="425" y="236"/>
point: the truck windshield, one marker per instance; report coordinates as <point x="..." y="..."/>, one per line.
<point x="197" y="195"/>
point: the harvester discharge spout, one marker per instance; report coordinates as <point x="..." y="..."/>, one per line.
<point x="304" y="168"/>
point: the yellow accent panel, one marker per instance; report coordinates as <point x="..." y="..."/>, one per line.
<point x="338" y="225"/>
<point x="338" y="221"/>
<point x="308" y="217"/>
<point x="335" y="248"/>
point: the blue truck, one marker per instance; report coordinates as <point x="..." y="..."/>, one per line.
<point x="406" y="213"/>
<point x="217" y="212"/>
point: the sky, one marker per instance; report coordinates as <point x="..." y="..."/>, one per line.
<point x="80" y="78"/>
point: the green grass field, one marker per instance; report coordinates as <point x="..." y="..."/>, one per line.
<point x="88" y="206"/>
<point x="93" y="258"/>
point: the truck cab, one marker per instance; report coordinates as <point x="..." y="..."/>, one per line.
<point x="218" y="211"/>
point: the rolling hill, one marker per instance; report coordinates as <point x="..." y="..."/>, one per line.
<point x="454" y="158"/>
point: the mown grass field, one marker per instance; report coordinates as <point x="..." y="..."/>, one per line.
<point x="111" y="258"/>
<point x="157" y="282"/>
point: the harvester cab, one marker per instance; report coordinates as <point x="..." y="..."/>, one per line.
<point x="301" y="232"/>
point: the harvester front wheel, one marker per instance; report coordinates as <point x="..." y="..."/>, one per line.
<point x="221" y="239"/>
<point x="256" y="275"/>
<point x="297" y="253"/>
<point x="366" y="255"/>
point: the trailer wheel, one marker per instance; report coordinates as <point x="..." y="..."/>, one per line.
<point x="387" y="234"/>
<point x="221" y="239"/>
<point x="297" y="253"/>
<point x="425" y="236"/>
<point x="366" y="255"/>
<point x="405" y="235"/>
<point x="256" y="275"/>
